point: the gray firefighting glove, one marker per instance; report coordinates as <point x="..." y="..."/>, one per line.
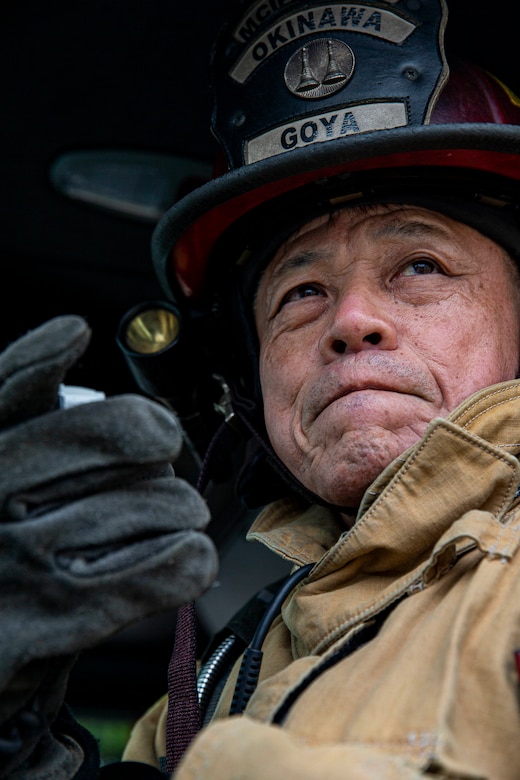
<point x="96" y="532"/>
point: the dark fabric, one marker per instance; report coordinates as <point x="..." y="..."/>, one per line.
<point x="129" y="770"/>
<point x="66" y="723"/>
<point x="64" y="750"/>
<point x="183" y="716"/>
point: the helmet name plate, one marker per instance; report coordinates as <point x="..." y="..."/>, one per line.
<point x="325" y="127"/>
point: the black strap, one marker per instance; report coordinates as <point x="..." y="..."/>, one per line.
<point x="244" y="622"/>
<point x="130" y="770"/>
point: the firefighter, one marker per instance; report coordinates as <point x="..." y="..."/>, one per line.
<point x="365" y="171"/>
<point x="351" y="275"/>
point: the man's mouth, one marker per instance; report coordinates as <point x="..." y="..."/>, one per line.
<point x="349" y="391"/>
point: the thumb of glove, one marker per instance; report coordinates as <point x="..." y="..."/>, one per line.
<point x="33" y="367"/>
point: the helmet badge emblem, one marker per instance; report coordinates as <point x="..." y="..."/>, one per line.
<point x="320" y="68"/>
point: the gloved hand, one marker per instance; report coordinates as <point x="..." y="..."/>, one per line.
<point x="96" y="532"/>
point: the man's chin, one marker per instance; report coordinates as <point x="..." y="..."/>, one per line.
<point x="346" y="472"/>
<point x="346" y="490"/>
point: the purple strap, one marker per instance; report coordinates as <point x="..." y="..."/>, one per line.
<point x="183" y="716"/>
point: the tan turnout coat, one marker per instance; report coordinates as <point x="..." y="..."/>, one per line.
<point x="436" y="692"/>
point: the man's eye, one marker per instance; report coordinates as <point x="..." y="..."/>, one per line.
<point x="420" y="267"/>
<point x="302" y="291"/>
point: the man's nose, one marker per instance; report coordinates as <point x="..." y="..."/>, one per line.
<point x="360" y="319"/>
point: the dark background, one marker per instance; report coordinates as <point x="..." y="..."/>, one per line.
<point x="128" y="76"/>
<point x="97" y="75"/>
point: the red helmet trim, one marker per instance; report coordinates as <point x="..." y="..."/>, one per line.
<point x="192" y="250"/>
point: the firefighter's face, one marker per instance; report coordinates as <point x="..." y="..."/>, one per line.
<point x="371" y="323"/>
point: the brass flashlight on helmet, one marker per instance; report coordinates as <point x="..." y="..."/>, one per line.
<point x="149" y="336"/>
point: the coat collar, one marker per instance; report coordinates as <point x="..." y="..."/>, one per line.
<point x="418" y="507"/>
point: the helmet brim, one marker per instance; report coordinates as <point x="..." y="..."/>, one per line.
<point x="186" y="234"/>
